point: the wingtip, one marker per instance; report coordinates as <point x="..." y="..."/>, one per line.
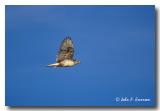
<point x="68" y="37"/>
<point x="47" y="66"/>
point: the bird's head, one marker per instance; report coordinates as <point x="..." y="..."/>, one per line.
<point x="76" y="62"/>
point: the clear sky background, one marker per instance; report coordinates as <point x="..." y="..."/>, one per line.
<point x="115" y="44"/>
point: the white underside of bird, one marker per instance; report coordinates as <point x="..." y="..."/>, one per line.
<point x="65" y="63"/>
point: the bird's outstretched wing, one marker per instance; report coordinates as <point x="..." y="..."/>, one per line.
<point x="66" y="50"/>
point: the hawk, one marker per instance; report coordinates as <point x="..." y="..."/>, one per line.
<point x="65" y="54"/>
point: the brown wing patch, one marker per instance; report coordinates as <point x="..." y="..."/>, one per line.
<point x="66" y="50"/>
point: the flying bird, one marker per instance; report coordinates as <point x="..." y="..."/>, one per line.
<point x="65" y="55"/>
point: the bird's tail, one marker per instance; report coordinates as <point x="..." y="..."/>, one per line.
<point x="53" y="65"/>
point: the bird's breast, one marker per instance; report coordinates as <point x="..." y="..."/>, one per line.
<point x="67" y="63"/>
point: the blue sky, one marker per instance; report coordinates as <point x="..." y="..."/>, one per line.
<point x="115" y="44"/>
